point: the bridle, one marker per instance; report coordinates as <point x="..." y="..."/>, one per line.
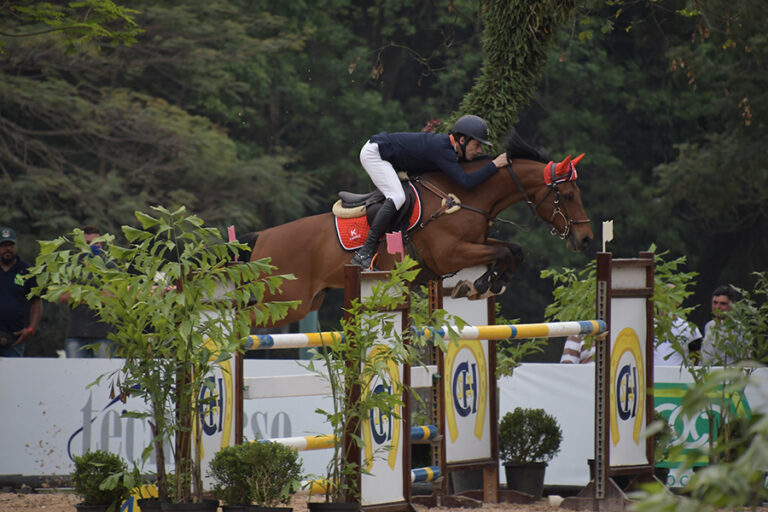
<point x="559" y="209"/>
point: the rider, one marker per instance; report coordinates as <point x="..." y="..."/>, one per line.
<point x="417" y="153"/>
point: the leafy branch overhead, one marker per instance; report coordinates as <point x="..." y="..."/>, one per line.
<point x="77" y="23"/>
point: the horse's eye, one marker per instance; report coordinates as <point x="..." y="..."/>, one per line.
<point x="568" y="197"/>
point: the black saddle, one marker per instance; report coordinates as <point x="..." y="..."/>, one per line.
<point x="373" y="201"/>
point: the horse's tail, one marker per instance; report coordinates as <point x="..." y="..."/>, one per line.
<point x="248" y="239"/>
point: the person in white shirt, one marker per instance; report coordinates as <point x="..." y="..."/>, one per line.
<point x="713" y="350"/>
<point x="665" y="354"/>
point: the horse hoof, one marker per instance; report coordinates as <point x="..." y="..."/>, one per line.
<point x="462" y="289"/>
<point x="481" y="287"/>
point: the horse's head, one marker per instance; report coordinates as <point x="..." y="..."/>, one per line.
<point x="559" y="204"/>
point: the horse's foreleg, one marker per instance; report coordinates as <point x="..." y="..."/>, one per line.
<point x="500" y="256"/>
<point x="503" y="274"/>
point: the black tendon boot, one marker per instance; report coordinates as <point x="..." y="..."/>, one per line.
<point x="364" y="255"/>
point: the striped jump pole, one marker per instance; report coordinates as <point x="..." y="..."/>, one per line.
<point x="304" y="443"/>
<point x="477" y="332"/>
<point x="518" y="331"/>
<point x="425" y="474"/>
<point x="323" y="441"/>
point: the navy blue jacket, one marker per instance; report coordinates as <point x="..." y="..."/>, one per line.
<point x="420" y="152"/>
<point x="13" y="296"/>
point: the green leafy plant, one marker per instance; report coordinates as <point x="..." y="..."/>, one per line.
<point x="663" y="434"/>
<point x="528" y="436"/>
<point x="179" y="307"/>
<point x="103" y="478"/>
<point x="737" y="441"/>
<point x="574" y="295"/>
<point x="261" y="472"/>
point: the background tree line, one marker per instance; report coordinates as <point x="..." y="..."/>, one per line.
<point x="253" y="113"/>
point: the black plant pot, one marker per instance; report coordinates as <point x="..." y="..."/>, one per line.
<point x="149" y="504"/>
<point x="203" y="506"/>
<point x="527" y="478"/>
<point x="321" y="506"/>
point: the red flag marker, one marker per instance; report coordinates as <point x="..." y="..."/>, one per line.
<point x="231" y="235"/>
<point x="395" y="244"/>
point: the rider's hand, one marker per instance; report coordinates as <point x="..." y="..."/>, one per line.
<point x="500" y="161"/>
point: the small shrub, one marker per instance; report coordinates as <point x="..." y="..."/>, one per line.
<point x="102" y="478"/>
<point x="528" y="435"/>
<point x="261" y="472"/>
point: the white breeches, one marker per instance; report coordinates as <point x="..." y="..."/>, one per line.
<point x="382" y="174"/>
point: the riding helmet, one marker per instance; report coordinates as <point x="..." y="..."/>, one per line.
<point x="472" y="127"/>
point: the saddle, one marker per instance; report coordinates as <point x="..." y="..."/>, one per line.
<point x="353" y="214"/>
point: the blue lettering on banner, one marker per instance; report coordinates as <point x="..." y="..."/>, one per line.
<point x="465" y="389"/>
<point x="381" y="423"/>
<point x="627" y="392"/>
<point x="212" y="406"/>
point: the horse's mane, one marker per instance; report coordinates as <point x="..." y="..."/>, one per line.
<point x="516" y="147"/>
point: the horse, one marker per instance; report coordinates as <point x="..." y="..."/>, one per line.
<point x="443" y="243"/>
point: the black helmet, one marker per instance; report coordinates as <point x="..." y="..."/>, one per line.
<point x="472" y="127"/>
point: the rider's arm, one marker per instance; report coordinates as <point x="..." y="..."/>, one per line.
<point x="448" y="164"/>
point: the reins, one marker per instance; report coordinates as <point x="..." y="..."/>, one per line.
<point x="451" y="203"/>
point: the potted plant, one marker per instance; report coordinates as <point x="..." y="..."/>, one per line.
<point x="264" y="473"/>
<point x="103" y="481"/>
<point x="178" y="308"/>
<point x="528" y="440"/>
<point x="352" y="369"/>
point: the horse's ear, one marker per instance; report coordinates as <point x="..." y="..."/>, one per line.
<point x="563" y="166"/>
<point x="578" y="159"/>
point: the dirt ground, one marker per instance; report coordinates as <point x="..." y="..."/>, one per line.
<point x="64" y="501"/>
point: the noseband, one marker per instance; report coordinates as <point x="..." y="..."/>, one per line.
<point x="559" y="210"/>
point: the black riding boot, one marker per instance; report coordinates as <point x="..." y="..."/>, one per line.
<point x="364" y="255"/>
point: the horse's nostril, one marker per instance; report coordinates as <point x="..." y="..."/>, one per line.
<point x="585" y="243"/>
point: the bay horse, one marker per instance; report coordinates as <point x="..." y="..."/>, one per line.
<point x="443" y="243"/>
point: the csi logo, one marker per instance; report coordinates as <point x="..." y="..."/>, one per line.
<point x="627" y="392"/>
<point x="212" y="406"/>
<point x="381" y="421"/>
<point x="465" y="389"/>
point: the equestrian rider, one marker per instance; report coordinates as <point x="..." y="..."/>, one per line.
<point x="418" y="153"/>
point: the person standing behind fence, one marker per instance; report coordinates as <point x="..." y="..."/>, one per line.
<point x="14" y="304"/>
<point x="717" y="348"/>
<point x="84" y="327"/>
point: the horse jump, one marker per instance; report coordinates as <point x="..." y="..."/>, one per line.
<point x="442" y="431"/>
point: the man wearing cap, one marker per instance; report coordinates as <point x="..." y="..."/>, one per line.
<point x="14" y="289"/>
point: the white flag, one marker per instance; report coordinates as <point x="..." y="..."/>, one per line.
<point x="607" y="232"/>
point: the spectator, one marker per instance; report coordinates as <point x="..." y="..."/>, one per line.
<point x="575" y="351"/>
<point x="84" y="327"/>
<point x="714" y="347"/>
<point x="15" y="307"/>
<point x="682" y="338"/>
